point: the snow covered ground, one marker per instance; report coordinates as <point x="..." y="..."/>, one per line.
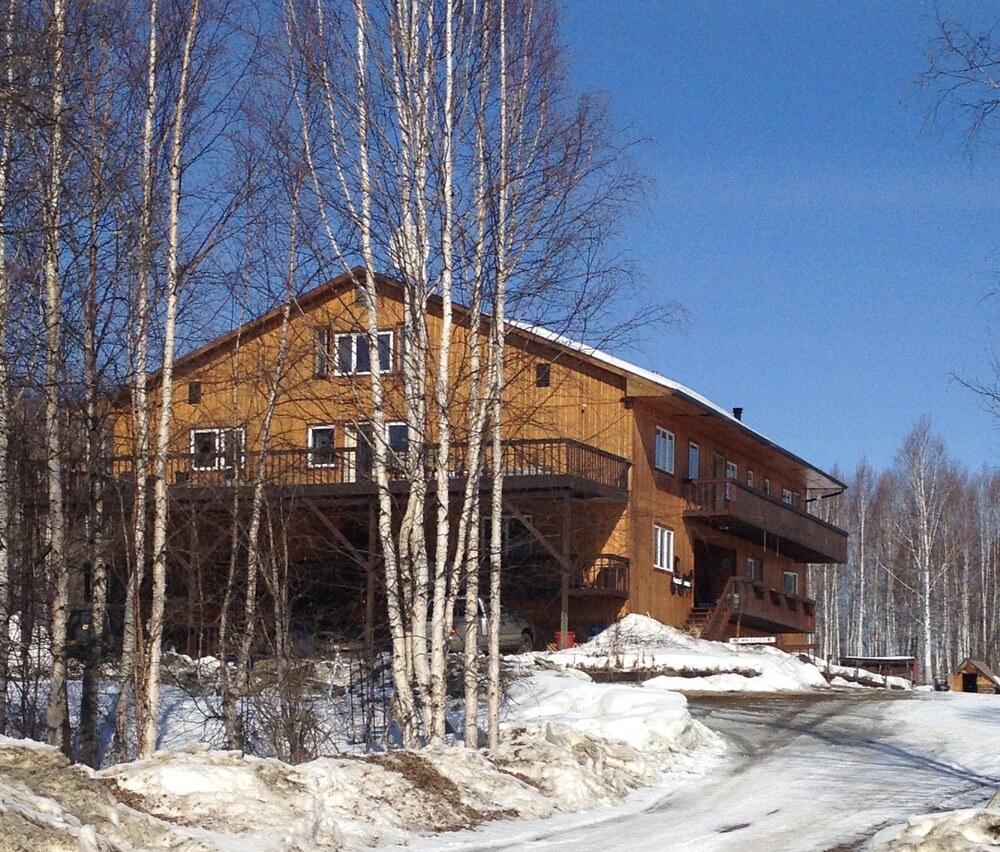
<point x="582" y="765"/>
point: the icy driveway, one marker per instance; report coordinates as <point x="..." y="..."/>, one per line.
<point x="809" y="773"/>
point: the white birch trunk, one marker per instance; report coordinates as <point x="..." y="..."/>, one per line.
<point x="148" y="738"/>
<point x="5" y="392"/>
<point x="57" y="715"/>
<point x="130" y="689"/>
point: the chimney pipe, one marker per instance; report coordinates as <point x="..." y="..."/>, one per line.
<point x="738" y="414"/>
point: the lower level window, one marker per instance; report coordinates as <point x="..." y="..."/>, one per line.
<point x="791" y="583"/>
<point x="663" y="548"/>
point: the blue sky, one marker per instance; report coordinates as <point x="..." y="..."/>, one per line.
<point x="834" y="251"/>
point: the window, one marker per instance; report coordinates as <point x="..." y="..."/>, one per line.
<point x="755" y="569"/>
<point x="353" y="355"/>
<point x="543" y="375"/>
<point x="790" y="582"/>
<point x="767" y="486"/>
<point x="750" y="477"/>
<point x="194" y="393"/>
<point x="786" y="496"/>
<point x="663" y="549"/>
<point x="693" y="460"/>
<point x="398" y="436"/>
<point x="321" y="446"/>
<point x="664" y="450"/>
<point x="321" y="346"/>
<point x="731" y="471"/>
<point x="216" y="449"/>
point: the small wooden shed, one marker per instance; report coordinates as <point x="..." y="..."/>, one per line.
<point x="974" y="676"/>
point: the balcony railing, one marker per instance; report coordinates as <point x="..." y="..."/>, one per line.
<point x="730" y="506"/>
<point x="751" y="604"/>
<point x="607" y="577"/>
<point x="526" y="463"/>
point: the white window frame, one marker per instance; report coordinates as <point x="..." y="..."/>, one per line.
<point x="694" y="455"/>
<point x="786" y="496"/>
<point x="755" y="569"/>
<point x="749" y="477"/>
<point x="785" y="575"/>
<point x="358" y="339"/>
<point x="663" y="450"/>
<point x="311" y="443"/>
<point x="732" y="471"/>
<point x="767" y="486"/>
<point x="221" y="453"/>
<point x="663" y="548"/>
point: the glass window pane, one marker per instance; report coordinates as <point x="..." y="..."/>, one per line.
<point x="345" y="353"/>
<point x="204" y="448"/>
<point x="385" y="351"/>
<point x="363" y="361"/>
<point x="398" y="436"/>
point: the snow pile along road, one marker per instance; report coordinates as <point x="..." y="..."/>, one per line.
<point x="568" y="744"/>
<point x="679" y="661"/>
<point x="951" y="831"/>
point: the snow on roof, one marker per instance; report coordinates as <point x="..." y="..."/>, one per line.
<point x="661" y="380"/>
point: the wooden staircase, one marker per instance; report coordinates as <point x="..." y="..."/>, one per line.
<point x="696" y="620"/>
<point x="711" y="622"/>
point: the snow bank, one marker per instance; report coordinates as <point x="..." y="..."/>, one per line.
<point x="567" y="744"/>
<point x="641" y="644"/>
<point x="973" y="828"/>
<point x="646" y="719"/>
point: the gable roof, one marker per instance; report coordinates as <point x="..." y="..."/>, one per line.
<point x="653" y="382"/>
<point x="980" y="667"/>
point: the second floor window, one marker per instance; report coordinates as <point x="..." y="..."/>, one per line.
<point x="790" y="583"/>
<point x="352" y="355"/>
<point x="731" y="470"/>
<point x="216" y="449"/>
<point x="750" y="477"/>
<point x="398" y="437"/>
<point x="320" y="446"/>
<point x="694" y="460"/>
<point x="663" y="457"/>
<point x="663" y="548"/>
<point x="786" y="496"/>
<point x="755" y="569"/>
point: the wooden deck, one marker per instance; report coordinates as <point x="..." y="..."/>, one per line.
<point x="739" y="510"/>
<point x="528" y="465"/>
<point x="752" y="605"/>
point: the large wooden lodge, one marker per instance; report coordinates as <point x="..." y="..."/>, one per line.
<point x="624" y="492"/>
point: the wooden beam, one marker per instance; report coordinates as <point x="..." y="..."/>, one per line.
<point x="354" y="553"/>
<point x="552" y="550"/>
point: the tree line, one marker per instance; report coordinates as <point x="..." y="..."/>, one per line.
<point x="923" y="572"/>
